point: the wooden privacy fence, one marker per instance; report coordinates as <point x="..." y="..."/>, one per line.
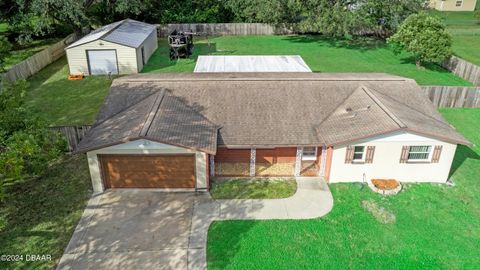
<point x="464" y="69"/>
<point x="453" y="96"/>
<point x="36" y="62"/>
<point x="231" y="29"/>
<point x="73" y="134"/>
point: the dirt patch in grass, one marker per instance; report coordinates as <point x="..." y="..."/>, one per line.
<point x="253" y="188"/>
<point x="381" y="214"/>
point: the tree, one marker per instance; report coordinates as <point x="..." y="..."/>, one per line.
<point x="5" y="48"/>
<point x="27" y="146"/>
<point x="384" y="17"/>
<point x="425" y="37"/>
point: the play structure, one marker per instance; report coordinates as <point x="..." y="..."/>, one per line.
<point x="181" y="44"/>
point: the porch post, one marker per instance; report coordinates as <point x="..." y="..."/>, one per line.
<point x="253" y="154"/>
<point x="323" y="162"/>
<point x="212" y="165"/>
<point x="298" y="161"/>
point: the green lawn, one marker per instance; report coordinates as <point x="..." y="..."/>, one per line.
<point x="38" y="216"/>
<point x="434" y="226"/>
<point x="64" y="102"/>
<point x="465" y="30"/>
<point x="20" y="53"/>
<point x="322" y="55"/>
<point x="257" y="188"/>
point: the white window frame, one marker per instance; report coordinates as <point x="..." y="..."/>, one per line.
<point x="309" y="157"/>
<point x="363" y="154"/>
<point x="428" y="159"/>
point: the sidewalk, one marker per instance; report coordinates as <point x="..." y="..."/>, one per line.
<point x="312" y="200"/>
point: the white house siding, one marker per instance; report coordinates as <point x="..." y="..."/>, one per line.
<point x="150" y="44"/>
<point x="77" y="57"/>
<point x="140" y="147"/>
<point x="386" y="161"/>
<point x="450" y="5"/>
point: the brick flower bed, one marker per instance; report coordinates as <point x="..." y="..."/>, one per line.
<point x="385" y="187"/>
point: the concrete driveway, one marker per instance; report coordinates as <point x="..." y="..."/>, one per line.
<point x="132" y="229"/>
<point x="141" y="229"/>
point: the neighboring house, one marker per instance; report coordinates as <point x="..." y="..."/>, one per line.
<point x="177" y="130"/>
<point x="122" y="47"/>
<point x="453" y="5"/>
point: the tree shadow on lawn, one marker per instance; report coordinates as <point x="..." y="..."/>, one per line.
<point x="359" y="43"/>
<point x="38" y="215"/>
<point x="425" y="65"/>
<point x="463" y="153"/>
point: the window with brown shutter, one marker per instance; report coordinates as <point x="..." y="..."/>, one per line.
<point x="370" y="153"/>
<point x="349" y="154"/>
<point x="404" y="154"/>
<point x="436" y="153"/>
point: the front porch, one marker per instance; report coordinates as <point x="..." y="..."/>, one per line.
<point x="307" y="161"/>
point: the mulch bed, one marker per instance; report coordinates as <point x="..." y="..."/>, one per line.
<point x="385" y="184"/>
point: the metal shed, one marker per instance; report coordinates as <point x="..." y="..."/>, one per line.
<point x="122" y="47"/>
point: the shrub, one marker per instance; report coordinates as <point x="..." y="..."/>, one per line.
<point x="425" y="37"/>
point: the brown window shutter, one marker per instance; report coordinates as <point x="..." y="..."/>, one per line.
<point x="404" y="154"/>
<point x="349" y="154"/>
<point x="436" y="153"/>
<point x="369" y="154"/>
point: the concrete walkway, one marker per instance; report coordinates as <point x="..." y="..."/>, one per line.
<point x="139" y="229"/>
<point x="313" y="199"/>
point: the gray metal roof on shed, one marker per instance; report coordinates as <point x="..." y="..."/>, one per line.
<point x="127" y="32"/>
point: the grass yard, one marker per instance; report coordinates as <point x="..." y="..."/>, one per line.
<point x="465" y="30"/>
<point x="255" y="188"/>
<point x="21" y="53"/>
<point x="38" y="216"/>
<point x="64" y="102"/>
<point x="322" y="55"/>
<point x="426" y="226"/>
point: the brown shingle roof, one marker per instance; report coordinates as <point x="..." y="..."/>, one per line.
<point x="271" y="109"/>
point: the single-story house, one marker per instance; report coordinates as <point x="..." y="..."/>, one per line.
<point x="122" y="47"/>
<point x="453" y="5"/>
<point x="175" y="131"/>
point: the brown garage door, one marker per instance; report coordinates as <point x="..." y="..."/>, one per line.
<point x="148" y="171"/>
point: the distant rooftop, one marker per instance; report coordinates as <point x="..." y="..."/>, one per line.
<point x="127" y="32"/>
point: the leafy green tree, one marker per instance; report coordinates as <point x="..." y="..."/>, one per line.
<point x="5" y="48"/>
<point x="425" y="37"/>
<point x="384" y="17"/>
<point x="27" y="146"/>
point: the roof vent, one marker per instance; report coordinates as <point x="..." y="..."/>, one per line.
<point x="349" y="109"/>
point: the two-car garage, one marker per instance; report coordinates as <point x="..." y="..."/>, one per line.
<point x="148" y="164"/>
<point x="148" y="171"/>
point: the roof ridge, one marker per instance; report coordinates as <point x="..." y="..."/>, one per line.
<point x="382" y="106"/>
<point x="316" y="127"/>
<point x="405" y="105"/>
<point x="152" y="113"/>
<point x="113" y="28"/>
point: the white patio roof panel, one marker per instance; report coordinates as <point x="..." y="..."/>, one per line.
<point x="251" y="63"/>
